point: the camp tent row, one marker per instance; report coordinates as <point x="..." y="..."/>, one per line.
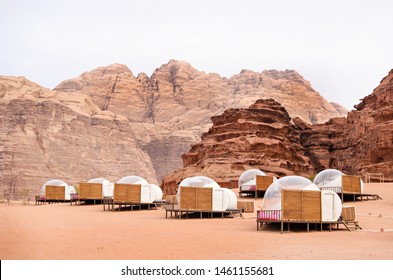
<point x="97" y="189"/>
<point x="254" y="181"/>
<point x="295" y="199"/>
<point x="290" y="199"/>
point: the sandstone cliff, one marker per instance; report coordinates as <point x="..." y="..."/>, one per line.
<point x="171" y="109"/>
<point x="110" y="123"/>
<point x="261" y="136"/>
<point x="360" y="143"/>
<point x="265" y="137"/>
<point x="46" y="135"/>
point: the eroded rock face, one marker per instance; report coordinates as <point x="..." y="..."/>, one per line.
<point x="362" y="142"/>
<point x="171" y="109"/>
<point x="47" y="135"/>
<point x="261" y="136"/>
<point x="265" y="137"/>
<point x="108" y="123"/>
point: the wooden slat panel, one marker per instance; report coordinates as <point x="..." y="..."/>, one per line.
<point x="248" y="206"/>
<point x="263" y="182"/>
<point x="204" y="198"/>
<point x="134" y="193"/>
<point x="348" y="213"/>
<point x="291" y="204"/>
<point x="346" y="184"/>
<point x="356" y="185"/>
<point x="301" y="205"/>
<point x="311" y="206"/>
<point x="187" y="198"/>
<point x="95" y="191"/>
<point x="50" y="192"/>
<point x="84" y="190"/>
<point x="120" y="193"/>
<point x="351" y="184"/>
<point x="60" y="193"/>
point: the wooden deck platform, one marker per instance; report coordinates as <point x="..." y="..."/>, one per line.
<point x="304" y="207"/>
<point x="109" y="205"/>
<point x="178" y="213"/>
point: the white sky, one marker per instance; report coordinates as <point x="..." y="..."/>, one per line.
<point x="344" y="48"/>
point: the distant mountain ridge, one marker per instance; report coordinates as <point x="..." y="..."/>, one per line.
<point x="109" y="123"/>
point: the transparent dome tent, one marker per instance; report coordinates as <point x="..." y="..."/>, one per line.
<point x="272" y="198"/>
<point x="132" y="180"/>
<point x="69" y="190"/>
<point x="247" y="180"/>
<point x="223" y="198"/>
<point x="149" y="192"/>
<point x="248" y="176"/>
<point x="331" y="202"/>
<point x="199" y="181"/>
<point x="107" y="187"/>
<point x="327" y="176"/>
<point x="331" y="179"/>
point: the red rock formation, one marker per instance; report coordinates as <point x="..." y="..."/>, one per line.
<point x="362" y="142"/>
<point x="261" y="136"/>
<point x="264" y="137"/>
<point x="171" y="109"/>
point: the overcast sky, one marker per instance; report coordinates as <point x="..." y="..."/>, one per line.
<point x="344" y="48"/>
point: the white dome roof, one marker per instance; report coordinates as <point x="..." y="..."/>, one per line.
<point x="326" y="176"/>
<point x="99" y="180"/>
<point x="56" y="182"/>
<point x="248" y="175"/>
<point x="199" y="181"/>
<point x="132" y="180"/>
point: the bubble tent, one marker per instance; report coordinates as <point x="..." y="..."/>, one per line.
<point x="132" y="180"/>
<point x="253" y="181"/>
<point x="223" y="198"/>
<point x="331" y="179"/>
<point x="149" y="192"/>
<point x="248" y="177"/>
<point x="272" y="198"/>
<point x="107" y="187"/>
<point x="69" y="190"/>
<point x="199" y="181"/>
<point x="327" y="176"/>
<point x="330" y="202"/>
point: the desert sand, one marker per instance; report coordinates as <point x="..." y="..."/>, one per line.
<point x="86" y="232"/>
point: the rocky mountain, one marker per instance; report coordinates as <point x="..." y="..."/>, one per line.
<point x="172" y="108"/>
<point x="360" y="143"/>
<point x="46" y="134"/>
<point x="265" y="137"/>
<point x="110" y="123"/>
<point x="261" y="136"/>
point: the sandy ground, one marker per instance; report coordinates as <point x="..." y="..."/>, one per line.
<point x="65" y="232"/>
